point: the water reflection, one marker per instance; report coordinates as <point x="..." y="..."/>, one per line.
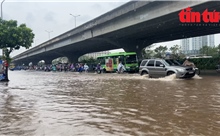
<point x="15" y="114"/>
<point x="41" y="103"/>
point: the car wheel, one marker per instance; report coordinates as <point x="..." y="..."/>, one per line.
<point x="144" y="73"/>
<point x="170" y="73"/>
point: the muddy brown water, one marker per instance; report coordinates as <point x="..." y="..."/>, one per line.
<point x="69" y="104"/>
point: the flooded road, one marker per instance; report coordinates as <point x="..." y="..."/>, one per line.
<point x="69" y="104"/>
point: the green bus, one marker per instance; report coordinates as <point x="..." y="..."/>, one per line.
<point x="110" y="62"/>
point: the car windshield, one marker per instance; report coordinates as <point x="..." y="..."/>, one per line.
<point x="167" y="64"/>
<point x="173" y="62"/>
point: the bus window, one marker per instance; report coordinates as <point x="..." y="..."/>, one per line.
<point x="131" y="59"/>
<point x="101" y="60"/>
<point x="121" y="59"/>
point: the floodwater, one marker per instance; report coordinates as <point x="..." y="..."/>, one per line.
<point x="69" y="104"/>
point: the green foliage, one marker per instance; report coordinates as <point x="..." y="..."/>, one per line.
<point x="176" y="52"/>
<point x="206" y="63"/>
<point x="147" y="53"/>
<point x="160" y="51"/>
<point x="209" y="51"/>
<point x="12" y="36"/>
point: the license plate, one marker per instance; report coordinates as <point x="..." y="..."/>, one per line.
<point x="191" y="72"/>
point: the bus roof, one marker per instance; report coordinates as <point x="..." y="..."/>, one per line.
<point x="118" y="54"/>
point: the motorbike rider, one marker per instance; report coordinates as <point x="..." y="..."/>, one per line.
<point x="86" y="67"/>
<point x="98" y="68"/>
<point x="187" y="62"/>
<point x="120" y="67"/>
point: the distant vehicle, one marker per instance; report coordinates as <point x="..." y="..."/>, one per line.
<point x="161" y="68"/>
<point x="12" y="67"/>
<point x="110" y="62"/>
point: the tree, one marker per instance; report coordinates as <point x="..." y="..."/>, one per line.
<point x="147" y="53"/>
<point x="176" y="52"/>
<point x="209" y="51"/>
<point x="13" y="37"/>
<point x="160" y="51"/>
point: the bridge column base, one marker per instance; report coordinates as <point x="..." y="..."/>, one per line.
<point x="136" y="49"/>
<point x="72" y="59"/>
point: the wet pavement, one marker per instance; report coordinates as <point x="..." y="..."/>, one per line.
<point x="68" y="104"/>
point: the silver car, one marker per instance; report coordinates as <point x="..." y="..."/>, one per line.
<point x="160" y="68"/>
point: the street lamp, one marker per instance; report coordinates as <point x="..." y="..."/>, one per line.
<point x="48" y="33"/>
<point x="1" y="9"/>
<point x="35" y="41"/>
<point x="75" y="16"/>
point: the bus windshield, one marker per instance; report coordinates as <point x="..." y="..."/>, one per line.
<point x="131" y="59"/>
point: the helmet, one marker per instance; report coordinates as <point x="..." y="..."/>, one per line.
<point x="187" y="57"/>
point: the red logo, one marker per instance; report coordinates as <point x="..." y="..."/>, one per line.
<point x="188" y="16"/>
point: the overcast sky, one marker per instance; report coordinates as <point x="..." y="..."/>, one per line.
<point x="54" y="15"/>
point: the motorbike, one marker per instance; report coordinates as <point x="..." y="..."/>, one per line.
<point x="121" y="70"/>
<point x="99" y="70"/>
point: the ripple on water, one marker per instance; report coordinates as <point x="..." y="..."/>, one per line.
<point x="46" y="103"/>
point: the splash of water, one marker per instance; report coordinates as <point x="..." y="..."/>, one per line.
<point x="146" y="77"/>
<point x="166" y="78"/>
<point x="197" y="77"/>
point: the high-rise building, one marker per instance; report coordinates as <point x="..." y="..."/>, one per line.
<point x="211" y="41"/>
<point x="193" y="45"/>
<point x="185" y="45"/>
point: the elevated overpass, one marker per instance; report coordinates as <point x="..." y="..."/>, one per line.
<point x="131" y="26"/>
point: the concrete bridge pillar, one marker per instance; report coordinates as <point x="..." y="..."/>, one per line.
<point x="72" y="58"/>
<point x="138" y="48"/>
<point x="48" y="61"/>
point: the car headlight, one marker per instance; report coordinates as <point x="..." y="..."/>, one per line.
<point x="181" y="70"/>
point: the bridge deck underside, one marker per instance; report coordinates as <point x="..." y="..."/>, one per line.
<point x="165" y="28"/>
